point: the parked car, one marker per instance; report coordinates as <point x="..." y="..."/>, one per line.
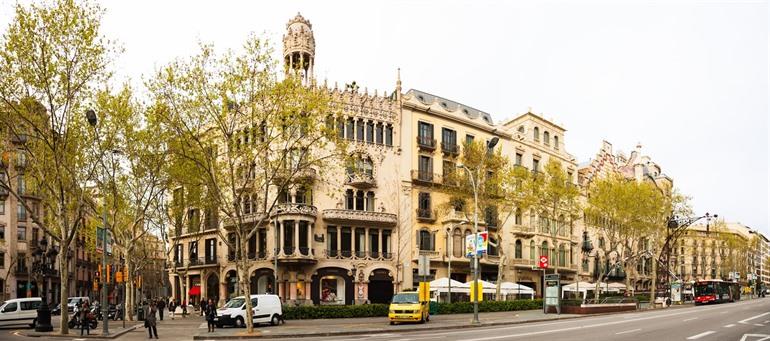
<point x="19" y="311"/>
<point x="56" y="310"/>
<point x="265" y="309"/>
<point x="406" y="307"/>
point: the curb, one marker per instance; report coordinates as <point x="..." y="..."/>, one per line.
<point x="112" y="335"/>
<point x="370" y="331"/>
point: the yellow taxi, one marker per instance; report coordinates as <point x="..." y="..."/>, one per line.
<point x="406" y="307"/>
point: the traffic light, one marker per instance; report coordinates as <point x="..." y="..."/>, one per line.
<point x="96" y="285"/>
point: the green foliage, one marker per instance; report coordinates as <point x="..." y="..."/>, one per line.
<point x="334" y="311"/>
<point x="489" y="306"/>
<point x="381" y="310"/>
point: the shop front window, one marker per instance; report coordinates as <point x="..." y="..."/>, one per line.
<point x="332" y="290"/>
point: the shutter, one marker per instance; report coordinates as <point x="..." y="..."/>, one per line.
<point x="433" y="241"/>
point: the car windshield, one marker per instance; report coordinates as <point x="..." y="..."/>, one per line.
<point x="405" y="298"/>
<point x="73" y="300"/>
<point x="234" y="303"/>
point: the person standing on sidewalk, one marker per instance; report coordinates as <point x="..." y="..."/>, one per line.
<point x="211" y="313"/>
<point x="161" y="306"/>
<point x="184" y="308"/>
<point x="84" y="319"/>
<point x="171" y="308"/>
<point x="150" y="321"/>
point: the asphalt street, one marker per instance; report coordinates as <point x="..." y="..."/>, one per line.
<point x="746" y="321"/>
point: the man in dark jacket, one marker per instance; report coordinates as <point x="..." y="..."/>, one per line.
<point x="161" y="305"/>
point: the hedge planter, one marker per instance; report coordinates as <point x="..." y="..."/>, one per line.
<point x="381" y="310"/>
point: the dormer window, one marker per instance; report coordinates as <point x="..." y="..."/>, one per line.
<point x="536" y="134"/>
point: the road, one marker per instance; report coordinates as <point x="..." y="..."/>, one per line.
<point x="746" y="320"/>
<point x="741" y="321"/>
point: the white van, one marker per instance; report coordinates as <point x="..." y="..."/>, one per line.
<point x="73" y="301"/>
<point x="19" y="311"/>
<point x="265" y="308"/>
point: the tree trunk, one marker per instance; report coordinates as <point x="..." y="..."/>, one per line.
<point x="129" y="294"/>
<point x="500" y="269"/>
<point x="64" y="294"/>
<point x="246" y="289"/>
<point x="654" y="280"/>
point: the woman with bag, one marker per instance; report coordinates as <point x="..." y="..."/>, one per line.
<point x="211" y="313"/>
<point x="150" y="322"/>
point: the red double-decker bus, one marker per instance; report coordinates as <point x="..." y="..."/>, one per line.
<point x="716" y="291"/>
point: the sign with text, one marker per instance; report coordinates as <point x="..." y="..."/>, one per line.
<point x="543" y="262"/>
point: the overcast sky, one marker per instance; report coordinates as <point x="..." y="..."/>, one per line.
<point x="686" y="79"/>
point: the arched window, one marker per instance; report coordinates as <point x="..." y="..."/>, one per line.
<point x="562" y="256"/>
<point x="556" y="142"/>
<point x="536" y="133"/>
<point x="544" y="249"/>
<point x="561" y="226"/>
<point x="532" y="250"/>
<point x="517" y="252"/>
<point x="547" y="137"/>
<point x="517" y="217"/>
<point x="370" y="201"/>
<point x="521" y="129"/>
<point x="360" y="200"/>
<point x="457" y="243"/>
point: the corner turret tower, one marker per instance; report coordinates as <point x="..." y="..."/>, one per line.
<point x="299" y="48"/>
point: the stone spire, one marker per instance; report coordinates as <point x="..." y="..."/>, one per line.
<point x="299" y="47"/>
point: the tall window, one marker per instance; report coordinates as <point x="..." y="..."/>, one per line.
<point x="425" y="132"/>
<point x="424" y="201"/>
<point x="544" y="249"/>
<point x="457" y="243"/>
<point x="340" y="128"/>
<point x="370" y="132"/>
<point x="518" y="159"/>
<point x="535" y="165"/>
<point x="517" y="253"/>
<point x="468" y="139"/>
<point x="562" y="256"/>
<point x="360" y="130"/>
<point x="425" y="167"/>
<point x="547" y="138"/>
<point x="2" y="207"/>
<point x="2" y="260"/>
<point x="517" y="217"/>
<point x="389" y="135"/>
<point x="193" y="250"/>
<point x="532" y="250"/>
<point x="21" y="213"/>
<point x="331" y="240"/>
<point x="449" y="139"/>
<point x="425" y="240"/>
<point x="2" y="232"/>
<point x="378" y="134"/>
<point x="21" y="233"/>
<point x="21" y="184"/>
<point x="536" y="133"/>
<point x="350" y="129"/>
<point x="556" y="142"/>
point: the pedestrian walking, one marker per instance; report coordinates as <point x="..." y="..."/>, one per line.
<point x="161" y="306"/>
<point x="149" y="321"/>
<point x="184" y="308"/>
<point x="172" y="308"/>
<point x="203" y="306"/>
<point x="211" y="313"/>
<point x="84" y="319"/>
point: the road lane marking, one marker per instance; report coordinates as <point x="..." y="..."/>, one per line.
<point x="745" y="321"/>
<point x="759" y="324"/>
<point x="690" y="319"/>
<point x="763" y="337"/>
<point x="724" y="312"/>
<point x="629" y="331"/>
<point x="695" y="337"/>
<point x="730" y="325"/>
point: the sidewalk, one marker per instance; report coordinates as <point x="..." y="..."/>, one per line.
<point x="373" y="325"/>
<point x="115" y="332"/>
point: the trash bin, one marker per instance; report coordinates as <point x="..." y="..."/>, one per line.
<point x="433" y="308"/>
<point x="140" y="313"/>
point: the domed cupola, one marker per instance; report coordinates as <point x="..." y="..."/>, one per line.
<point x="299" y="47"/>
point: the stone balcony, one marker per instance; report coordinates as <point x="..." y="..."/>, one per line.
<point x="302" y="175"/>
<point x="360" y="180"/>
<point x="297" y="255"/>
<point x="355" y="217"/>
<point x="291" y="209"/>
<point x="524" y="230"/>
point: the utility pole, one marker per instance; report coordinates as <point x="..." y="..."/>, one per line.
<point x="105" y="311"/>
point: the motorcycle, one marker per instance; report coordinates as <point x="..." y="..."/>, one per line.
<point x="76" y="321"/>
<point x="96" y="311"/>
<point x="116" y="313"/>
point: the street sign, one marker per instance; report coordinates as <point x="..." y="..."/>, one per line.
<point x="543" y="264"/>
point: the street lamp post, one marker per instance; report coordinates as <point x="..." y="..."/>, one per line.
<point x="43" y="267"/>
<point x="92" y="120"/>
<point x="474" y="183"/>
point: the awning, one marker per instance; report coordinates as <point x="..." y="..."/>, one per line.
<point x="195" y="291"/>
